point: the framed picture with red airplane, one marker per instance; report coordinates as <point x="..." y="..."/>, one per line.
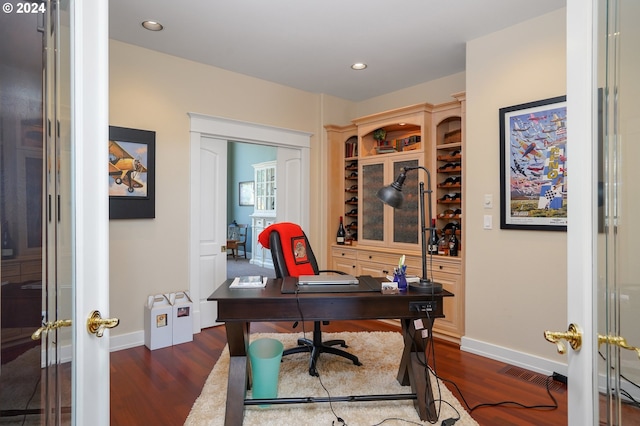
<point x="533" y="173"/>
<point x="131" y="173"/>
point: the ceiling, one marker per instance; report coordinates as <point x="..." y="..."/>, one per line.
<point x="310" y="44"/>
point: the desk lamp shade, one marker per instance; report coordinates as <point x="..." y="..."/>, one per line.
<point x="392" y="194"/>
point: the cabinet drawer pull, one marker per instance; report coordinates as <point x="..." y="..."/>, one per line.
<point x="385" y="272"/>
<point x="440" y="266"/>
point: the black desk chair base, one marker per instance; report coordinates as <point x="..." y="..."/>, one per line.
<point x="317" y="346"/>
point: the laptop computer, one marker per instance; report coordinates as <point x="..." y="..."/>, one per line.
<point x="327" y="279"/>
<point x="365" y="283"/>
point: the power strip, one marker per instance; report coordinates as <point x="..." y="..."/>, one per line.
<point x="424" y="306"/>
<point x="559" y="378"/>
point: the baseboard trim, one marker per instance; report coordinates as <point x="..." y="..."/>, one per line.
<point x="126" y="341"/>
<point x="512" y="357"/>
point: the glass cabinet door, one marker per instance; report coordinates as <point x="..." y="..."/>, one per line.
<point x="265" y="187"/>
<point x="405" y="219"/>
<point x="373" y="178"/>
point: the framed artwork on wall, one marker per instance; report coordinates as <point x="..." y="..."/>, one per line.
<point x="131" y="173"/>
<point x="533" y="155"/>
<point x="246" y="194"/>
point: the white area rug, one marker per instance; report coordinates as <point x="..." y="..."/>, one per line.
<point x="380" y="354"/>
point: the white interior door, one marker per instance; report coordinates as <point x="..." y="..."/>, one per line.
<point x="291" y="199"/>
<point x="209" y="211"/>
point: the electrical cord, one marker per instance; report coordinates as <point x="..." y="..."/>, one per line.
<point x="312" y="362"/>
<point x="509" y="403"/>
<point x="295" y="324"/>
<point x="26" y="407"/>
<point x="482" y="405"/>
<point x="626" y="394"/>
<point x="429" y="353"/>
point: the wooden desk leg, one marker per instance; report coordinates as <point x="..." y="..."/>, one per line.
<point x="239" y="372"/>
<point x="413" y="372"/>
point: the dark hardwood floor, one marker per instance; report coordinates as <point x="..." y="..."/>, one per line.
<point x="159" y="387"/>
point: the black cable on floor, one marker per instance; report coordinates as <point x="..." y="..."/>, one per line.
<point x="511" y="403"/>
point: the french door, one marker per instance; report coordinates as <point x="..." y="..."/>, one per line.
<point x="618" y="242"/>
<point x="54" y="140"/>
<point x="604" y="233"/>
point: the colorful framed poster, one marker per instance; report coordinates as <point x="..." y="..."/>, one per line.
<point x="533" y="174"/>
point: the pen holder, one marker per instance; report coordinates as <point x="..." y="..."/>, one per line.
<point x="401" y="279"/>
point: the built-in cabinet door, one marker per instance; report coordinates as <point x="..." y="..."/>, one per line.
<point x="450" y="323"/>
<point x="371" y="208"/>
<point x="405" y="228"/>
<point x="376" y="173"/>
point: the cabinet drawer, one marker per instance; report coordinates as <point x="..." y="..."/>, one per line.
<point x="444" y="265"/>
<point x="340" y="252"/>
<point x="372" y="256"/>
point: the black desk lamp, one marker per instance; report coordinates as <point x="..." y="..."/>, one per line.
<point x="392" y="195"/>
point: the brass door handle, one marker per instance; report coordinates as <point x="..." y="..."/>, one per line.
<point x="97" y="325"/>
<point x="48" y="326"/>
<point x="573" y="335"/>
<point x="618" y="341"/>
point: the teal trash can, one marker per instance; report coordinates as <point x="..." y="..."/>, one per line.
<point x="265" y="355"/>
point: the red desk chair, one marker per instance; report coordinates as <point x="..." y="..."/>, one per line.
<point x="292" y="257"/>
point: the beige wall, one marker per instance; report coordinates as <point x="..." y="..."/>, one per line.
<point x="434" y="92"/>
<point x="154" y="91"/>
<point x="515" y="280"/>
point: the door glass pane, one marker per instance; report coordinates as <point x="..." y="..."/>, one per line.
<point x="619" y="229"/>
<point x="21" y="195"/>
<point x="405" y="219"/>
<point x="61" y="291"/>
<point x="372" y="208"/>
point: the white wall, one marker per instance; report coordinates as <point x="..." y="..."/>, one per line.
<point x="515" y="280"/>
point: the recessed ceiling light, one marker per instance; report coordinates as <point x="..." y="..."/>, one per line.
<point x="358" y="66"/>
<point x="152" y="25"/>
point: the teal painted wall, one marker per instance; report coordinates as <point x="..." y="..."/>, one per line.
<point x="240" y="157"/>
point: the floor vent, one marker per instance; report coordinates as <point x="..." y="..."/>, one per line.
<point x="534" y="378"/>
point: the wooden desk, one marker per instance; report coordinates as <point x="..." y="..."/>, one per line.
<point x="238" y="308"/>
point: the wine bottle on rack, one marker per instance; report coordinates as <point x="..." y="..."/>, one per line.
<point x="341" y="233"/>
<point x="443" y="244"/>
<point x="453" y="243"/>
<point x="432" y="245"/>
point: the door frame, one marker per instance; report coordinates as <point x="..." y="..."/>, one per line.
<point x="226" y="129"/>
<point x="582" y="213"/>
<point x="90" y="206"/>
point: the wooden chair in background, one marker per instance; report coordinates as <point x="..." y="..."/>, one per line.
<point x="237" y="238"/>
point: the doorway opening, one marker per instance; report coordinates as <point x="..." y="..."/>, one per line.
<point x="208" y="206"/>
